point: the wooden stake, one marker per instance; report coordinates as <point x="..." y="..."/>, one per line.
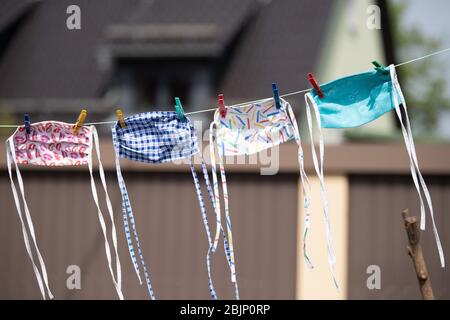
<point x="415" y="252"/>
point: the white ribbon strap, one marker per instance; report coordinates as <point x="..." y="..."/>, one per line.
<point x="117" y="279"/>
<point x="211" y="198"/>
<point x="414" y="166"/>
<point x="305" y="186"/>
<point x="408" y="144"/>
<point x="215" y="186"/>
<point x="228" y="224"/>
<point x="103" y="226"/>
<point x="11" y="158"/>
<point x="319" y="170"/>
<point x="230" y="251"/>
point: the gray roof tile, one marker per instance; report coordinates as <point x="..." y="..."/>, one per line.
<point x="265" y="41"/>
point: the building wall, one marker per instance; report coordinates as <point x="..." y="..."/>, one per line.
<point x="318" y="283"/>
<point x="349" y="48"/>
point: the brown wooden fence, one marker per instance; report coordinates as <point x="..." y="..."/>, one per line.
<point x="264" y="214"/>
<point x="174" y="244"/>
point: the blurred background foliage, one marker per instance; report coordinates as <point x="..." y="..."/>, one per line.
<point x="424" y="83"/>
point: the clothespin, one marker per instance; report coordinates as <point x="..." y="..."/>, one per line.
<point x="222" y="109"/>
<point x="120" y="118"/>
<point x="179" y="109"/>
<point x="315" y="85"/>
<point x="276" y="96"/>
<point x="26" y="121"/>
<point x="80" y="121"/>
<point x="379" y="67"/>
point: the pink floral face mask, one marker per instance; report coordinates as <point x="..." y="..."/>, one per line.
<point x="52" y="143"/>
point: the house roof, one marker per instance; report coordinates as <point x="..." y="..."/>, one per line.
<point x="268" y="41"/>
<point x="281" y="45"/>
<point x="174" y="28"/>
<point x="13" y="10"/>
<point x="47" y="60"/>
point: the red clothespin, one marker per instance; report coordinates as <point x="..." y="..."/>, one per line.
<point x="315" y="85"/>
<point x="222" y="109"/>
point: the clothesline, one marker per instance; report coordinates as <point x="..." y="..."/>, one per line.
<point x="254" y="101"/>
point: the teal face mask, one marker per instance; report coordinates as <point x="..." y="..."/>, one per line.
<point x="354" y="101"/>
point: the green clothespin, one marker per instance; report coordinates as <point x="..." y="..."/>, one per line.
<point x="379" y="67"/>
<point x="179" y="109"/>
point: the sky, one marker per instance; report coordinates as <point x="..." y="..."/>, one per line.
<point x="432" y="16"/>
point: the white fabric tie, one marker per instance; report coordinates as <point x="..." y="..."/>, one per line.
<point x="318" y="166"/>
<point x="414" y="166"/>
<point x="42" y="280"/>
<point x="117" y="279"/>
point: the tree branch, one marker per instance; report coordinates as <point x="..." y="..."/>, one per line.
<point x="415" y="252"/>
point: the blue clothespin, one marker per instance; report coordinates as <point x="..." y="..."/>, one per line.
<point x="26" y="120"/>
<point x="276" y="96"/>
<point x="179" y="109"/>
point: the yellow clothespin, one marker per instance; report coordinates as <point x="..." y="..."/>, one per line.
<point x="80" y="121"/>
<point x="120" y="118"/>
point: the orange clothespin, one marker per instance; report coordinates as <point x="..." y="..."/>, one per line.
<point x="120" y="118"/>
<point x="80" y="121"/>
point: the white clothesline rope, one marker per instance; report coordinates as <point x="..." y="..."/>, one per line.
<point x="254" y="101"/>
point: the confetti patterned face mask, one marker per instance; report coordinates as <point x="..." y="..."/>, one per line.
<point x="52" y="143"/>
<point x="157" y="137"/>
<point x="247" y="130"/>
<point x="359" y="99"/>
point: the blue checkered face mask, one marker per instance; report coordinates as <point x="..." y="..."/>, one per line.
<point x="356" y="100"/>
<point x="157" y="137"/>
